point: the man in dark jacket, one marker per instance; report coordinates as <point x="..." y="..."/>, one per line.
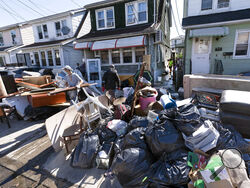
<point x="111" y="81"/>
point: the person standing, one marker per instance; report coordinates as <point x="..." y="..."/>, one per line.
<point x="111" y="81"/>
<point x="72" y="80"/>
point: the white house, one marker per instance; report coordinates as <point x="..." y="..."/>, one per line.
<point x="12" y="38"/>
<point x="53" y="39"/>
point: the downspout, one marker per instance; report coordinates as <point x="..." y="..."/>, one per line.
<point x="154" y="10"/>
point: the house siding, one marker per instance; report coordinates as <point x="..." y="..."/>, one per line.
<point x="7" y="37"/>
<point x="194" y="7"/>
<point x="86" y="27"/>
<point x="120" y="20"/>
<point x="76" y="19"/>
<point x="27" y="35"/>
<point x="231" y="66"/>
<point x="71" y="56"/>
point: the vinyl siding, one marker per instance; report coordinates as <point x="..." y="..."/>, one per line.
<point x="86" y="27"/>
<point x="76" y="19"/>
<point x="27" y="35"/>
<point x="71" y="56"/>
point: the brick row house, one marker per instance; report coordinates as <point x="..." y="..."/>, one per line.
<point x="122" y="32"/>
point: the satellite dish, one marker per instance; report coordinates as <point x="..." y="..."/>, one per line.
<point x="65" y="30"/>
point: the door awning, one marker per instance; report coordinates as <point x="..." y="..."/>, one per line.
<point x="104" y="44"/>
<point x="206" y="32"/>
<point x="82" y="45"/>
<point x="130" y="42"/>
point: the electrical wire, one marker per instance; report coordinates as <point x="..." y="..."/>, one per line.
<point x="76" y="3"/>
<point x="40" y="7"/>
<point x="177" y="12"/>
<point x="14" y="12"/>
<point x="174" y="21"/>
<point x="30" y="7"/>
<point x="6" y="10"/>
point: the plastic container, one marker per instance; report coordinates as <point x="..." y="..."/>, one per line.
<point x="167" y="102"/>
<point x="145" y="101"/>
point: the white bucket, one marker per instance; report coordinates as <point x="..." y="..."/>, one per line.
<point x="159" y="78"/>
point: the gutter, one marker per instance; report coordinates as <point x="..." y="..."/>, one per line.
<point x="216" y="24"/>
<point x="81" y="24"/>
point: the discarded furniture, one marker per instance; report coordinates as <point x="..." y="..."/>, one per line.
<point x="235" y="110"/>
<point x="73" y="132"/>
<point x="7" y="85"/>
<point x="5" y="111"/>
<point x="45" y="99"/>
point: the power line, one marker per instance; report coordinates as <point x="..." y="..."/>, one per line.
<point x="39" y="6"/>
<point x="76" y="3"/>
<point x="175" y="21"/>
<point x="16" y="14"/>
<point x="30" y="7"/>
<point x="177" y="12"/>
<point x="12" y="15"/>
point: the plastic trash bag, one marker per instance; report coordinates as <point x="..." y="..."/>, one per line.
<point x="163" y="137"/>
<point x="137" y="121"/>
<point x="105" y="134"/>
<point x="105" y="156"/>
<point x="205" y="138"/>
<point x="230" y="138"/>
<point x="130" y="166"/>
<point x="188" y="113"/>
<point x="171" y="169"/>
<point x="118" y="126"/>
<point x="85" y="152"/>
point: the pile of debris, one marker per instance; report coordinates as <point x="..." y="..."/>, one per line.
<point x="165" y="143"/>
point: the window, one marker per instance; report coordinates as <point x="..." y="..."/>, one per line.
<point x="105" y="18"/>
<point x="223" y="3"/>
<point x="136" y="12"/>
<point x="43" y="58"/>
<point x="206" y="4"/>
<point x="131" y="14"/>
<point x="37" y="60"/>
<point x="105" y="56"/>
<point x="127" y="55"/>
<point x="2" y="61"/>
<point x="1" y="39"/>
<point x="13" y="36"/>
<point x="115" y="56"/>
<point x="50" y="58"/>
<point x="57" y="58"/>
<point x="242" y="44"/>
<point x="42" y="31"/>
<point x="139" y="53"/>
<point x="59" y="25"/>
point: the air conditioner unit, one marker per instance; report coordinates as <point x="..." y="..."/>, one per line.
<point x="158" y="36"/>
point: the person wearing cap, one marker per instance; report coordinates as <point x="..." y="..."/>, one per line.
<point x="72" y="80"/>
<point x="111" y="81"/>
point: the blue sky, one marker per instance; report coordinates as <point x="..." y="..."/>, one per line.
<point x="14" y="11"/>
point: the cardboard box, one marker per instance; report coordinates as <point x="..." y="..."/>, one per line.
<point x="45" y="100"/>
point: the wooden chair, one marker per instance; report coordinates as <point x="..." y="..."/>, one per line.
<point x="5" y="111"/>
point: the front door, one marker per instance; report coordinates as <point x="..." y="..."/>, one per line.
<point x="201" y="55"/>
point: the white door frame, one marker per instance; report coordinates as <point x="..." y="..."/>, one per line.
<point x="208" y="54"/>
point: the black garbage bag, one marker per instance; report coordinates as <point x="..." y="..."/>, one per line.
<point x="105" y="156"/>
<point x="163" y="137"/>
<point x="229" y="138"/>
<point x="135" y="139"/>
<point x="246" y="158"/>
<point x="187" y="119"/>
<point x="85" y="152"/>
<point x="170" y="170"/>
<point x="130" y="166"/>
<point x="105" y="134"/>
<point x="137" y="121"/>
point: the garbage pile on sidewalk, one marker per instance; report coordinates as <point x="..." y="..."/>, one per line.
<point x="160" y="143"/>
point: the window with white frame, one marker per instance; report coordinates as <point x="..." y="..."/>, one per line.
<point x="36" y="57"/>
<point x="127" y="55"/>
<point x="42" y="31"/>
<point x="105" y="18"/>
<point x="136" y="12"/>
<point x="58" y="26"/>
<point x="139" y="53"/>
<point x="13" y="36"/>
<point x="242" y="44"/>
<point x="43" y="58"/>
<point x="206" y="4"/>
<point x="1" y="39"/>
<point x="57" y="57"/>
<point x="50" y="58"/>
<point x="104" y="56"/>
<point x="115" y="56"/>
<point x="223" y="3"/>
